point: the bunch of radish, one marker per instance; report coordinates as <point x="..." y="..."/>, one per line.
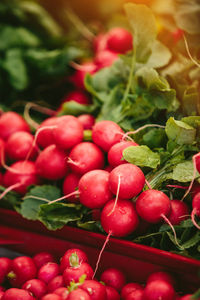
<point x="41" y="277"/>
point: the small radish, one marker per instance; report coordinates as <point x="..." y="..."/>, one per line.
<point x="20" y="175"/>
<point x="179" y="212"/>
<point x="159" y="289"/>
<point x="70" y="185"/>
<point x="112" y="293"/>
<point x="115" y="154"/>
<point x="131" y="178"/>
<point x="48" y="271"/>
<point x="51" y="297"/>
<point x="1" y="294"/>
<point x="95" y="289"/>
<point x="19" y="145"/>
<point x="119" y="40"/>
<point x="161" y="275"/>
<point x="81" y="70"/>
<point x="78" y="294"/>
<point x="17" y="294"/>
<point x="94" y="189"/>
<point x="5" y="266"/>
<point x="106" y="133"/>
<point x="196" y="209"/>
<point x="51" y="163"/>
<point x="55" y="283"/>
<point x="11" y="122"/>
<point x="87" y="121"/>
<point x="121" y="220"/>
<point x="136" y="295"/>
<point x="62" y="292"/>
<point x="72" y="257"/>
<point x="74" y="273"/>
<point x="68" y="132"/>
<point x="129" y="288"/>
<point x="45" y="136"/>
<point x="42" y="258"/>
<point x="35" y="287"/>
<point x="85" y="157"/>
<point x="78" y="96"/>
<point x="22" y="269"/>
<point x="105" y="58"/>
<point x="113" y="277"/>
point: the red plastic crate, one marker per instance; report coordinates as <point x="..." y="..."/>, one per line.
<point x="137" y="261"/>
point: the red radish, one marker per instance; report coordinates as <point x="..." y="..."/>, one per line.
<point x="122" y="221"/>
<point x="17" y="294"/>
<point x="179" y="212"/>
<point x="62" y="292"/>
<point x="113" y="277"/>
<point x="2" y="151"/>
<point x="196" y="209"/>
<point x="2" y="289"/>
<point x="152" y="205"/>
<point x="195" y="189"/>
<point x="94" y="189"/>
<point x="159" y="289"/>
<point x="11" y="122"/>
<point x="131" y="178"/>
<point x="70" y="185"/>
<point x="51" y="297"/>
<point x="106" y="133"/>
<point x="100" y="42"/>
<point x="161" y="275"/>
<point x="129" y="288"/>
<point x="1" y="294"/>
<point x="105" y="58"/>
<point x="74" y="273"/>
<point x="45" y="137"/>
<point x="136" y="295"/>
<point x="81" y="70"/>
<point x="72" y="257"/>
<point x="186" y="297"/>
<point x="87" y="121"/>
<point x="19" y="145"/>
<point x="55" y="283"/>
<point x="20" y="175"/>
<point x="78" y="96"/>
<point x="119" y="40"/>
<point x="35" y="287"/>
<point x="5" y="266"/>
<point x="112" y="294"/>
<point x="95" y="289"/>
<point x="48" y="271"/>
<point x="68" y="133"/>
<point x="42" y="258"/>
<point x="22" y="269"/>
<point x="51" y="163"/>
<point x="78" y="294"/>
<point x="85" y="157"/>
<point x="115" y="154"/>
<point x="1" y="179"/>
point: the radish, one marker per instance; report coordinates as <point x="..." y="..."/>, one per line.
<point x="51" y="297"/>
<point x="45" y="136"/>
<point x="114" y="278"/>
<point x="129" y="288"/>
<point x="19" y="145"/>
<point x="1" y="294"/>
<point x="161" y="275"/>
<point x="159" y="290"/>
<point x="78" y="96"/>
<point x="55" y="283"/>
<point x="87" y="121"/>
<point x="179" y="212"/>
<point x="100" y="42"/>
<point x="131" y="178"/>
<point x="5" y="266"/>
<point x="62" y="292"/>
<point x="11" y="122"/>
<point x="48" y="271"/>
<point x="78" y="294"/>
<point x="51" y="163"/>
<point x="68" y="132"/>
<point x="35" y="287"/>
<point x="136" y="295"/>
<point x="42" y="258"/>
<point x="17" y="294"/>
<point x="2" y="151"/>
<point x="72" y="257"/>
<point x="95" y="289"/>
<point x="122" y="221"/>
<point x="112" y="294"/>
<point x="106" y="133"/>
<point x="70" y="185"/>
<point x="196" y="209"/>
<point x="74" y="273"/>
<point x="94" y="189"/>
<point x="115" y="154"/>
<point x="20" y="175"/>
<point x="81" y="70"/>
<point x="119" y="40"/>
<point x="85" y="157"/>
<point x="186" y="297"/>
<point x="22" y="269"/>
<point x="105" y="58"/>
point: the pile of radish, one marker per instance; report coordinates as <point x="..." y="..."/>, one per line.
<point x="41" y="277"/>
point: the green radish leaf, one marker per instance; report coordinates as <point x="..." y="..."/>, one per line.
<point x="141" y="156"/>
<point x="31" y="205"/>
<point x="74" y="108"/>
<point x="144" y="28"/>
<point x="155" y="138"/>
<point x="183" y="172"/>
<point x="194" y="240"/>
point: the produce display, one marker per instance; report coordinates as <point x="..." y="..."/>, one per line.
<point x="42" y="277"/>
